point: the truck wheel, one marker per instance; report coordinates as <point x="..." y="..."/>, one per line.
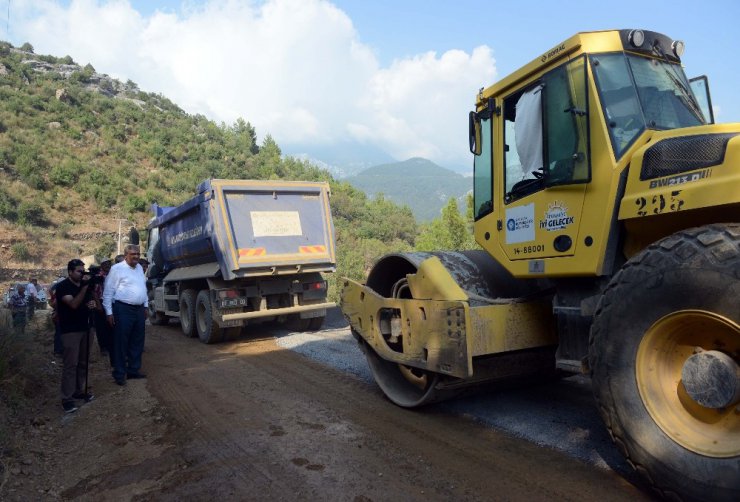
<point x="231" y="334"/>
<point x="187" y="312"/>
<point x="315" y="323"/>
<point x="208" y="331"/>
<point x="664" y="352"/>
<point x="310" y="324"/>
<point x="155" y="318"/>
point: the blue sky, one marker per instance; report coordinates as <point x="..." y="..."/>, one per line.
<point x="372" y="77"/>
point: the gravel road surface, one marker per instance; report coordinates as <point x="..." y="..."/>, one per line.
<point x="561" y="415"/>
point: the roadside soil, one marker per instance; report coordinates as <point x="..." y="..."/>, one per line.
<point x="248" y="420"/>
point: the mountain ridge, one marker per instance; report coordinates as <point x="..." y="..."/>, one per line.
<point x="418" y="183"/>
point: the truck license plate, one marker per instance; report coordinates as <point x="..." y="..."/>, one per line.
<point x="233" y="302"/>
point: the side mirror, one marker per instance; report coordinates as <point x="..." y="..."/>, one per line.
<point x="700" y="88"/>
<point x="474" y="133"/>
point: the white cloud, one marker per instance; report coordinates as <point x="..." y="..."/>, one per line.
<point x="294" y="68"/>
<point x="419" y="106"/>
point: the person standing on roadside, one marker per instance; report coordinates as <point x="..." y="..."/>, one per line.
<point x="74" y="313"/>
<point x="32" y="293"/>
<point x="125" y="303"/>
<point x="58" y="347"/>
<point x="144" y="264"/>
<point x="18" y="305"/>
<point x="103" y="330"/>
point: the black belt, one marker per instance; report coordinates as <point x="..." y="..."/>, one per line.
<point x="130" y="304"/>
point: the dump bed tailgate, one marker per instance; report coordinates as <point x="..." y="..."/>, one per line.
<point x="277" y="226"/>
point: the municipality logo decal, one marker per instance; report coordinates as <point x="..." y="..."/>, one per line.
<point x="556" y="217"/>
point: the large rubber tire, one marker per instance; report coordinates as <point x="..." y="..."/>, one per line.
<point x="231" y="334"/>
<point x="208" y="331"/>
<point x="155" y="318"/>
<point x="680" y="293"/>
<point x="187" y="313"/>
<point x="309" y="324"/>
<point x="315" y="323"/>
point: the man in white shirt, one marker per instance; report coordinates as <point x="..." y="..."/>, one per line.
<point x="31" y="294"/>
<point x="125" y="303"/>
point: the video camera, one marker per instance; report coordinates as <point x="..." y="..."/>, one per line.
<point x="92" y="276"/>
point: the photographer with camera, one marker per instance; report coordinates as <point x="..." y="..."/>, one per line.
<point x="74" y="305"/>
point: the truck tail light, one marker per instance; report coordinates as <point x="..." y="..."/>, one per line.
<point x="314" y="286"/>
<point x="228" y="293"/>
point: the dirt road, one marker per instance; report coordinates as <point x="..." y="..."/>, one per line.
<point x="250" y="420"/>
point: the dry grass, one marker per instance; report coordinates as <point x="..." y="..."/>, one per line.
<point x="22" y="358"/>
<point x="69" y="218"/>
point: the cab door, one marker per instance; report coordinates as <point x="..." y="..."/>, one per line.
<point x="545" y="165"/>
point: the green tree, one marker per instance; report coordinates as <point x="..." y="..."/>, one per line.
<point x="449" y="232"/>
<point x="245" y="136"/>
<point x="27" y="47"/>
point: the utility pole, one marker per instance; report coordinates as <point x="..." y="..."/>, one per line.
<point x="120" y="226"/>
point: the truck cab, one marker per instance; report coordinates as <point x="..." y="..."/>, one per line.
<point x="595" y="149"/>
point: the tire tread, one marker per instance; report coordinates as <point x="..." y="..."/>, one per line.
<point x="716" y="245"/>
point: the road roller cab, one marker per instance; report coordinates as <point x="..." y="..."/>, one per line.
<point x="606" y="204"/>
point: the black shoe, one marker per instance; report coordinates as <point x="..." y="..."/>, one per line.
<point x="121" y="381"/>
<point x="135" y="376"/>
<point x="87" y="397"/>
<point x="69" y="406"/>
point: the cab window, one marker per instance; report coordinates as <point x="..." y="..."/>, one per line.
<point x="482" y="182"/>
<point x="546" y="132"/>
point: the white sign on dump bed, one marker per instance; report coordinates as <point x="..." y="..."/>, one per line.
<point x="276" y="223"/>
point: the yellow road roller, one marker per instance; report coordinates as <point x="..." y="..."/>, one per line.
<point x="607" y="207"/>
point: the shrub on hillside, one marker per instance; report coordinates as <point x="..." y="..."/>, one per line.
<point x="7" y="206"/>
<point x="30" y="212"/>
<point x="106" y="249"/>
<point x="135" y="203"/>
<point x="20" y="251"/>
<point x="30" y="167"/>
<point x="66" y="174"/>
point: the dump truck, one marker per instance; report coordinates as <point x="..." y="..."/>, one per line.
<point x="241" y="252"/>
<point x="606" y="207"/>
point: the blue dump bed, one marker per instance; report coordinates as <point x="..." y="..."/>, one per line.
<point x="250" y="228"/>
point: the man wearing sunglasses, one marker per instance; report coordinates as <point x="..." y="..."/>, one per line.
<point x="125" y="303"/>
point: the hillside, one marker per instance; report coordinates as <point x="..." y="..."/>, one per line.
<point x="80" y="151"/>
<point x="418" y="183"/>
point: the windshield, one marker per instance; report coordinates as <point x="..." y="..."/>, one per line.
<point x="638" y="92"/>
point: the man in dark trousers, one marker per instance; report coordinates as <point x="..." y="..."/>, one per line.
<point x="125" y="303"/>
<point x="74" y="314"/>
<point x="103" y="330"/>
